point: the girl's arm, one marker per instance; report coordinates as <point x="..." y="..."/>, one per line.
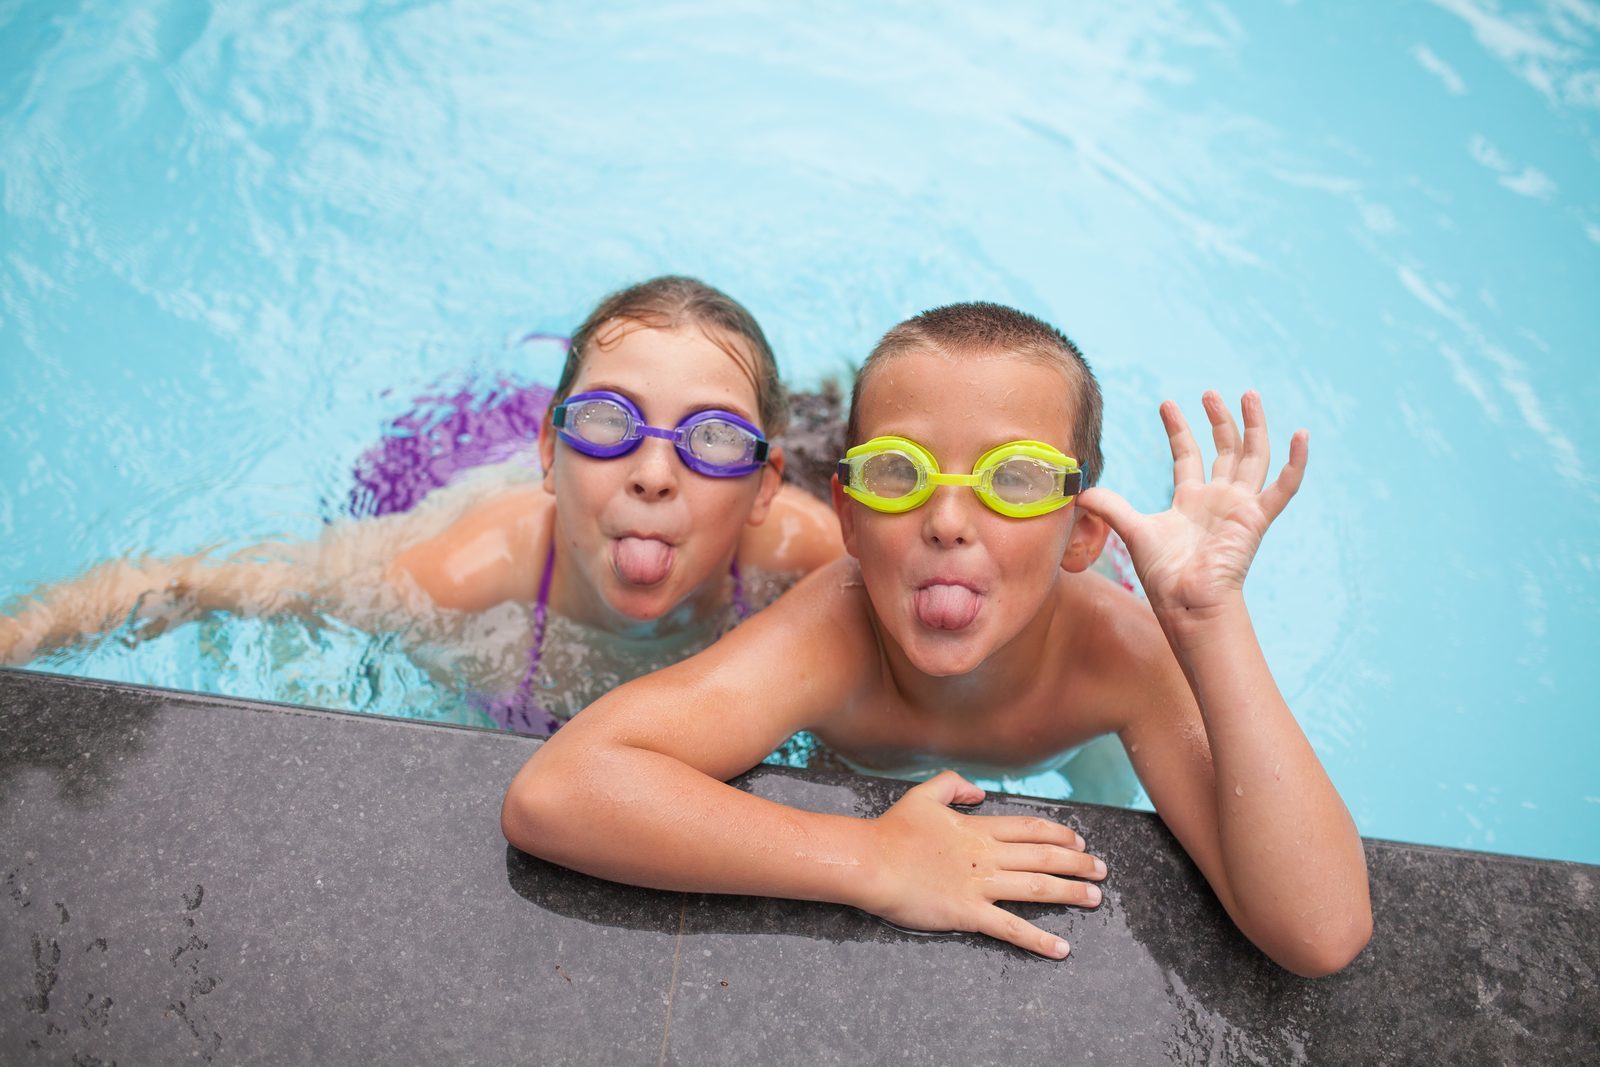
<point x="354" y="571"/>
<point x="1244" y="793"/>
<point x="152" y="594"/>
<point x="102" y="599"/>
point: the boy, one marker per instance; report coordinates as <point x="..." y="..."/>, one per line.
<point x="968" y="628"/>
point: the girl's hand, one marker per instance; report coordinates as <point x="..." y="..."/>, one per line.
<point x="941" y="870"/>
<point x="1192" y="558"/>
<point x="15" y="646"/>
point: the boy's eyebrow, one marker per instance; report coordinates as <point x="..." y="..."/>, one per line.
<point x="1063" y="444"/>
<point x="694" y="409"/>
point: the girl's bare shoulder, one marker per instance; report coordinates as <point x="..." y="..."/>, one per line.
<point x="492" y="552"/>
<point x="800" y="534"/>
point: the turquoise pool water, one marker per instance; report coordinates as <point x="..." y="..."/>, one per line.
<point x="236" y="239"/>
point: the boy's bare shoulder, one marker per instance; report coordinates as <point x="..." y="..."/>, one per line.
<point x="828" y="606"/>
<point x="817" y="635"/>
<point x="1104" y="614"/>
<point x="1121" y="662"/>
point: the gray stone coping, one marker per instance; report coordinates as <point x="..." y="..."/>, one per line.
<point x="189" y="878"/>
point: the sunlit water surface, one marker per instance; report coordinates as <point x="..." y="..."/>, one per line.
<point x="236" y="240"/>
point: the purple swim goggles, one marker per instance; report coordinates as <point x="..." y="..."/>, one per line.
<point x="605" y="425"/>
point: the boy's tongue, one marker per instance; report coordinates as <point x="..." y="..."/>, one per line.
<point x="947" y="607"/>
<point x="641" y="560"/>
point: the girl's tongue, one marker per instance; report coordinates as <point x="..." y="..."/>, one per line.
<point x="947" y="607"/>
<point x="641" y="560"/>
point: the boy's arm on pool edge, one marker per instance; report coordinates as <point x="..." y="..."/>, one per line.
<point x="632" y="789"/>
<point x="1237" y="782"/>
<point x="1225" y="762"/>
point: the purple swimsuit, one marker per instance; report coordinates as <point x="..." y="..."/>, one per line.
<point x="519" y="709"/>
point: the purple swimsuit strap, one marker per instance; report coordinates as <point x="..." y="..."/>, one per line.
<point x="740" y="606"/>
<point x="521" y="709"/>
<point x="541" y="611"/>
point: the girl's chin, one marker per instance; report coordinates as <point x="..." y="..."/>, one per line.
<point x="666" y="603"/>
<point x="641" y="604"/>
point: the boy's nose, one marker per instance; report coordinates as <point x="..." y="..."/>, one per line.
<point x="947" y="520"/>
<point x="655" y="471"/>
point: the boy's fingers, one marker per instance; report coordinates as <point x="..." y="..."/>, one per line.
<point x="1028" y="829"/>
<point x="1049" y="859"/>
<point x="1252" y="469"/>
<point x="1186" y="466"/>
<point x="1043" y="889"/>
<point x="1004" y="926"/>
<point x="1279" y="493"/>
<point x="1224" y="433"/>
<point x="948" y="787"/>
<point x="1106" y="504"/>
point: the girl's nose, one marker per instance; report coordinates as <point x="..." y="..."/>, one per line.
<point x="947" y="516"/>
<point x="655" y="471"/>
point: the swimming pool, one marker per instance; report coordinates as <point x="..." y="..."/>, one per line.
<point x="237" y="240"/>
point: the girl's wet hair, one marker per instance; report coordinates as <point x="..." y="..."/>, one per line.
<point x="671" y="302"/>
<point x="983" y="329"/>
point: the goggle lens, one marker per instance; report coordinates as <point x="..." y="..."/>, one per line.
<point x="720" y="443"/>
<point x="1020" y="479"/>
<point x="605" y="425"/>
<point x="599" y="422"/>
<point x="1024" y="481"/>
<point x="890" y="475"/>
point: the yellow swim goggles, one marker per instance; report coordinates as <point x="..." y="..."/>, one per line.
<point x="1020" y="479"/>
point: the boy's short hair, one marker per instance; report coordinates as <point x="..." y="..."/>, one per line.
<point x="673" y="301"/>
<point x="983" y="329"/>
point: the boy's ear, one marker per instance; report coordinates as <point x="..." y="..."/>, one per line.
<point x="547" y="452"/>
<point x="771" y="482"/>
<point x="1085" y="543"/>
<point x="847" y="516"/>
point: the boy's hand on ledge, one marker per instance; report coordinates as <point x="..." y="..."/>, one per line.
<point x="1192" y="558"/>
<point x="941" y="870"/>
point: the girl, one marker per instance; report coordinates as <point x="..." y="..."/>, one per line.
<point x="660" y="494"/>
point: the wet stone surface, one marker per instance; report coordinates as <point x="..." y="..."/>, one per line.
<point x="188" y="879"/>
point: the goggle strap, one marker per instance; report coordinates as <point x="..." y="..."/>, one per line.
<point x="843" y="472"/>
<point x="558" y="416"/>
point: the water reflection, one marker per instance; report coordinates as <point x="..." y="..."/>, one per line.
<point x="234" y="239"/>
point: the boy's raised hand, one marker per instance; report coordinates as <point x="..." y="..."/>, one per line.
<point x="1193" y="557"/>
<point x="942" y="870"/>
